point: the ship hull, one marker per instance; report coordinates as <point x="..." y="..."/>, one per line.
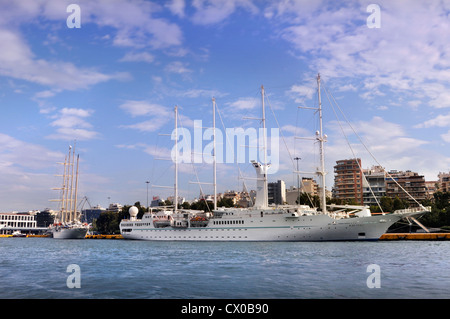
<point x="268" y="228"/>
<point x="70" y="233"/>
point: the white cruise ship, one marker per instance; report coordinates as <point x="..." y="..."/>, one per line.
<point x="263" y="222"/>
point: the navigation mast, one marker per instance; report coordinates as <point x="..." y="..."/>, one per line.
<point x="214" y="154"/>
<point x="321" y="138"/>
<point x="175" y="200"/>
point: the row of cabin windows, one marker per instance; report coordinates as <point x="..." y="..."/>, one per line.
<point x="228" y="222"/>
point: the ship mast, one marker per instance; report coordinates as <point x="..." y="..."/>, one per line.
<point x="214" y="154"/>
<point x="264" y="165"/>
<point x="175" y="201"/>
<point x="76" y="191"/>
<point x="321" y="138"/>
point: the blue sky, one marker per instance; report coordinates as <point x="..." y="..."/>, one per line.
<point x="112" y="85"/>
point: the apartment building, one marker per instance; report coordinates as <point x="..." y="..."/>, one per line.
<point x="397" y="182"/>
<point x="276" y="192"/>
<point x="348" y="181"/>
<point x="373" y="185"/>
<point x="308" y="185"/>
<point x="444" y="182"/>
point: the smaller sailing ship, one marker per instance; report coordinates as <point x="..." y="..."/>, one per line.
<point x="67" y="223"/>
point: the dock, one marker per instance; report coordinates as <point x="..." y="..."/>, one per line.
<point x="104" y="236"/>
<point x="415" y="236"/>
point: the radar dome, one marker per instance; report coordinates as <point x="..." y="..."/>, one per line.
<point x="133" y="211"/>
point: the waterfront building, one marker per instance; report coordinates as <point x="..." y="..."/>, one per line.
<point x="88" y="215"/>
<point x="45" y="217"/>
<point x="431" y="187"/>
<point x="374" y="184"/>
<point x="24" y="222"/>
<point x="156" y="201"/>
<point x="308" y="185"/>
<point x="277" y="192"/>
<point x="411" y="182"/>
<point x="115" y="207"/>
<point x="180" y="200"/>
<point x="348" y="185"/>
<point x="444" y="182"/>
<point x="231" y="194"/>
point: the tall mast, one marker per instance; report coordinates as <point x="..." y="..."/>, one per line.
<point x="264" y="164"/>
<point x="63" y="195"/>
<point x="175" y="201"/>
<point x="321" y="138"/>
<point x="71" y="210"/>
<point x="75" y="217"/>
<point x="67" y="186"/>
<point x="214" y="154"/>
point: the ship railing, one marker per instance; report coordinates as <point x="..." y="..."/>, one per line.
<point x="413" y="210"/>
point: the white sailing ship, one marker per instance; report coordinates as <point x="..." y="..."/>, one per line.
<point x="263" y="222"/>
<point x="67" y="224"/>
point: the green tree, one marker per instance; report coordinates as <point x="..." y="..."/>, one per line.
<point x="306" y="199"/>
<point x="225" y="202"/>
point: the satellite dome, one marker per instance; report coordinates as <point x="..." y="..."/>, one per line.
<point x="133" y="211"/>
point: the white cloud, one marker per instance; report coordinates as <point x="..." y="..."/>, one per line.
<point x="18" y="61"/>
<point x="23" y="169"/>
<point x="300" y="93"/>
<point x="71" y="124"/>
<point x="178" y="67"/>
<point x="408" y="54"/>
<point x="140" y="108"/>
<point x="158" y="114"/>
<point x="138" y="57"/>
<point x="216" y="11"/>
<point x="177" y="7"/>
<point x="446" y="137"/>
<point x="243" y="104"/>
<point x="439" y="121"/>
<point x="134" y="21"/>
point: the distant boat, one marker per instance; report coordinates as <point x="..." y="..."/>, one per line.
<point x="17" y="233"/>
<point x="263" y="222"/>
<point x="67" y="224"/>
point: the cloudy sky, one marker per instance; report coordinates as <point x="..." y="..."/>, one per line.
<point x="112" y="85"/>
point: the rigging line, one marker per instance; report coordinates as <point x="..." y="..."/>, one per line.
<point x="195" y="170"/>
<point x="289" y="152"/>
<point x="200" y="185"/>
<point x="229" y="144"/>
<point x="348" y="142"/>
<point x="387" y="173"/>
<point x="281" y="132"/>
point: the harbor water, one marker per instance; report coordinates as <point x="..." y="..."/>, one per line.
<point x="39" y="268"/>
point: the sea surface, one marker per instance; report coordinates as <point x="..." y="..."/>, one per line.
<point x="38" y="268"/>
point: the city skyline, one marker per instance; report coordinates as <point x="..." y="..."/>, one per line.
<point x="111" y="83"/>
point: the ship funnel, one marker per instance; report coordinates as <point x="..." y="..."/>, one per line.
<point x="261" y="185"/>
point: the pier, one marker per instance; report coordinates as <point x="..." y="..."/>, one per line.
<point x="104" y="236"/>
<point x="415" y="236"/>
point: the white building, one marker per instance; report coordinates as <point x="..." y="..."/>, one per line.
<point x="17" y="221"/>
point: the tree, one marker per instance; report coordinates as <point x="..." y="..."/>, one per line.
<point x="225" y="202"/>
<point x="306" y="199"/>
<point x="108" y="223"/>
